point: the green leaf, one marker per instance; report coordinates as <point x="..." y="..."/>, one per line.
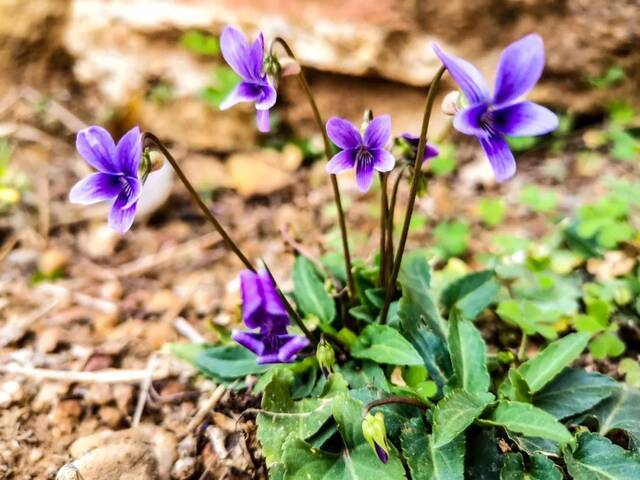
<point x="540" y="468"/>
<point x="522" y="144"/>
<point x="492" y="211"/>
<point x="200" y="43"/>
<point x="384" y="344"/>
<point x="483" y="458"/>
<point x="431" y="347"/>
<point x="415" y="278"/>
<point x="363" y="374"/>
<point x="596" y="458"/>
<point x="527" y="316"/>
<point x="281" y="416"/>
<point x="445" y="162"/>
<point x="533" y="445"/>
<point x="468" y="355"/>
<point x="608" y="79"/>
<point x="425" y="460"/>
<point x="304" y="462"/>
<point x="471" y="294"/>
<point x="538" y="199"/>
<point x="544" y="367"/>
<point x="573" y="392"/>
<point x="528" y="420"/>
<point x="518" y="388"/>
<point x="309" y="291"/>
<point x="222" y="363"/>
<point x="606" y="345"/>
<point x="452" y="238"/>
<point x="621" y="411"/>
<point x="455" y="412"/>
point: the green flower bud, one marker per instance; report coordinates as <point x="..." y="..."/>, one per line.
<point x="622" y="295"/>
<point x="326" y="357"/>
<point x="375" y="433"/>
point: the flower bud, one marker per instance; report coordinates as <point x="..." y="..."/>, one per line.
<point x="288" y="66"/>
<point x="151" y="161"/>
<point x="452" y="103"/>
<point x="622" y="295"/>
<point x="272" y="67"/>
<point x="375" y="433"/>
<point x="326" y="357"/>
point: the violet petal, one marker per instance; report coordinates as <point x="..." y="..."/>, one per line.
<point x="272" y="303"/>
<point x="520" y="67"/>
<point x="380" y="452"/>
<point x="246" y="91"/>
<point x="96" y="146"/>
<point x="267" y="98"/>
<point x="249" y="340"/>
<point x="468" y="78"/>
<point x="469" y="120"/>
<point x="256" y="57"/>
<point x="129" y="152"/>
<point x="343" y="133"/>
<point x="525" y="118"/>
<point x="383" y="160"/>
<point x="430" y="152"/>
<point x="263" y="120"/>
<point x="236" y="52"/>
<point x="364" y="171"/>
<point x="121" y="219"/>
<point x="342" y="161"/>
<point x="96" y="187"/>
<point x="288" y="352"/>
<point x="378" y="132"/>
<point x="251" y="292"/>
<point x="500" y="156"/>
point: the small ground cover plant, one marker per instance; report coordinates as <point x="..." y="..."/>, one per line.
<point x="378" y="367"/>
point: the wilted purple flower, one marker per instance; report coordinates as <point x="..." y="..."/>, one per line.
<point x="364" y="152"/>
<point x="247" y="61"/>
<point x="263" y="309"/>
<point x="489" y="118"/>
<point x="429" y="152"/>
<point x="117" y="176"/>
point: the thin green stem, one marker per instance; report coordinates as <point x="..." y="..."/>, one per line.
<point x="328" y="153"/>
<point x="149" y="139"/>
<point x="522" y="349"/>
<point x="397" y="399"/>
<point x="384" y="210"/>
<point x="417" y="173"/>
<point x="391" y="216"/>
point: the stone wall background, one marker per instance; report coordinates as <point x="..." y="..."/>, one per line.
<point x="362" y="53"/>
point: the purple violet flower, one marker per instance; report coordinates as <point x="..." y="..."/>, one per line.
<point x="263" y="309"/>
<point x="429" y="152"/>
<point x="247" y="61"/>
<point x="490" y="118"/>
<point x="117" y="177"/>
<point x="364" y="152"/>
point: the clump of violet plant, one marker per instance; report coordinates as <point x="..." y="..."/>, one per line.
<point x="371" y="337"/>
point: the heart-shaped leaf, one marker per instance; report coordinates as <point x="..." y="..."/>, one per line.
<point x="384" y="344"/>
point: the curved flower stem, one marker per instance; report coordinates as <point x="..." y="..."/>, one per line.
<point x="384" y="212"/>
<point x="328" y="154"/>
<point x="150" y="139"/>
<point x="417" y="173"/>
<point x="397" y="399"/>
